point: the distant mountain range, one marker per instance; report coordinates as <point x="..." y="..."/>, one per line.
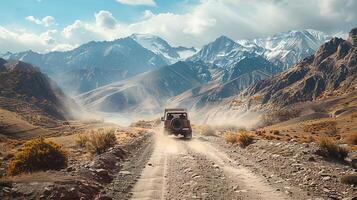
<point x="144" y="93"/>
<point x="143" y="73"/>
<point x="98" y="63"/>
<point x="283" y="49"/>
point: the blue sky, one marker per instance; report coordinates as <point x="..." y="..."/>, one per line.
<point x="50" y="25"/>
<point x="13" y="13"/>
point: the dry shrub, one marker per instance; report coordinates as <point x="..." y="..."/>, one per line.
<point x="350" y="179"/>
<point x="230" y="137"/>
<point x="352" y="138"/>
<point x="269" y="137"/>
<point x="208" y="131"/>
<point x="243" y="138"/>
<point x="329" y="127"/>
<point x="97" y="141"/>
<point x="37" y="155"/>
<point x="82" y="139"/>
<point x="329" y="148"/>
<point x="276" y="132"/>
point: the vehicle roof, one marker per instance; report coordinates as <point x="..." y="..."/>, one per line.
<point x="175" y="109"/>
<point x="177" y="112"/>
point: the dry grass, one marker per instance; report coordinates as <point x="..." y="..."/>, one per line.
<point x="350" y="179"/>
<point x="231" y="137"/>
<point x="37" y="155"/>
<point x="331" y="149"/>
<point x="97" y="141"/>
<point x="243" y="138"/>
<point x="351" y="138"/>
<point x="82" y="139"/>
<point x="328" y="127"/>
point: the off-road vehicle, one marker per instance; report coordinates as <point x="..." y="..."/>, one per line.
<point x="176" y="122"/>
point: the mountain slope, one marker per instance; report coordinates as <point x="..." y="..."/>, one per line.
<point x="145" y="93"/>
<point x="120" y="55"/>
<point x="161" y="48"/>
<point x="222" y="52"/>
<point x="22" y="85"/>
<point x="242" y="75"/>
<point x="288" y="48"/>
<point x="331" y="71"/>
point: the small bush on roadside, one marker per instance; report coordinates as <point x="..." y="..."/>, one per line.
<point x="243" y="139"/>
<point x="97" y="141"/>
<point x="230" y="137"/>
<point x="81" y="140"/>
<point x="350" y="179"/>
<point x="330" y="149"/>
<point x="37" y="155"/>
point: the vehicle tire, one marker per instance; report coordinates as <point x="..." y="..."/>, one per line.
<point x="188" y="135"/>
<point x="176" y="124"/>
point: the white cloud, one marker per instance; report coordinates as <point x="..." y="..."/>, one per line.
<point x="138" y="2"/>
<point x="22" y="40"/>
<point x="147" y="14"/>
<point x="202" y="23"/>
<point x="33" y="19"/>
<point x="63" y="47"/>
<point x="105" y="19"/>
<point x="238" y="19"/>
<point x="47" y="37"/>
<point x="46" y="21"/>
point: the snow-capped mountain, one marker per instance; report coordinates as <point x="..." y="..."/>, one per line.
<point x="286" y="49"/>
<point x="282" y="49"/>
<point x="162" y="48"/>
<point x="222" y="52"/>
<point x="94" y="64"/>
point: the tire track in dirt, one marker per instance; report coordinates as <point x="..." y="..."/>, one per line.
<point x="251" y="186"/>
<point x="152" y="181"/>
<point x="195" y="169"/>
<point x="175" y="172"/>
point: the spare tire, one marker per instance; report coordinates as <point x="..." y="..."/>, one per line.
<point x="176" y="124"/>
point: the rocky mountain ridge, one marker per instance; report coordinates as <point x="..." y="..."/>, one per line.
<point x="21" y="82"/>
<point x="331" y="71"/>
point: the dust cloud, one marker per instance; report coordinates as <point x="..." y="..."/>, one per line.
<point x="232" y="118"/>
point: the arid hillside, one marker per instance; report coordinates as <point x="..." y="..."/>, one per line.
<point x="331" y="71"/>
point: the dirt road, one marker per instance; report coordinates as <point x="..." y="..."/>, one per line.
<point x="175" y="168"/>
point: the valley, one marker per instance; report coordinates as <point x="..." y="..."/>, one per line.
<point x="272" y="118"/>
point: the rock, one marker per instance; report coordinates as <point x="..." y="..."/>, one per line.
<point x="104" y="198"/>
<point x="103" y="174"/>
<point x="326" y="190"/>
<point x="326" y="178"/>
<point x="352" y="37"/>
<point x="125" y="172"/>
<point x="311" y="159"/>
<point x="70" y="169"/>
<point x="354" y="163"/>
